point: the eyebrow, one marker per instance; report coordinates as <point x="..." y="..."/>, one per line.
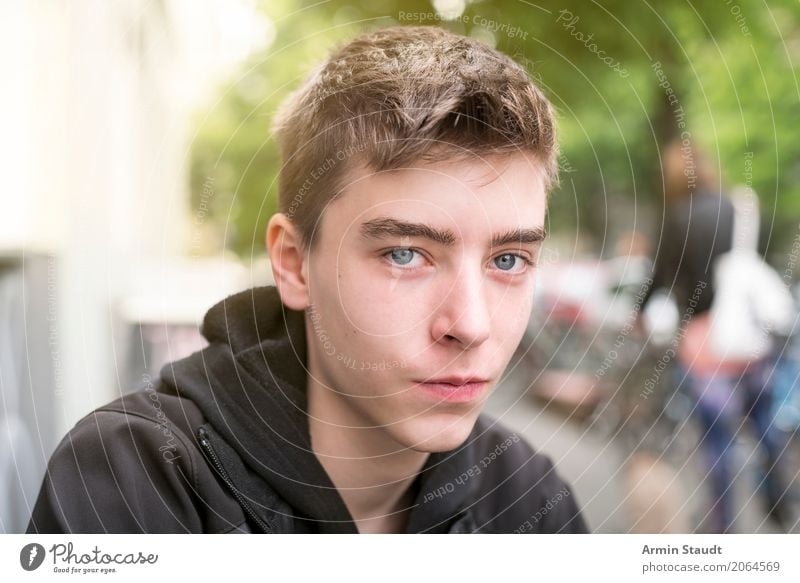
<point x="383" y="227"/>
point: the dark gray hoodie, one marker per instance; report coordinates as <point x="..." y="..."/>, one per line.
<point x="220" y="443"/>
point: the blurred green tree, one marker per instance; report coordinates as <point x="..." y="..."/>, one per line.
<point x="609" y="68"/>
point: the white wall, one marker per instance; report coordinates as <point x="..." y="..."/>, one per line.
<point x="95" y="108"/>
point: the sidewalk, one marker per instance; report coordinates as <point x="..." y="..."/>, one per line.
<point x="593" y="466"/>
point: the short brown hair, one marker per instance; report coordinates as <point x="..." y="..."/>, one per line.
<point x="399" y="95"/>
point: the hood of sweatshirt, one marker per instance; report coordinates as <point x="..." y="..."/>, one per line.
<point x="250" y="384"/>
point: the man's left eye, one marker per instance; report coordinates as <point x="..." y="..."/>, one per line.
<point x="510" y="262"/>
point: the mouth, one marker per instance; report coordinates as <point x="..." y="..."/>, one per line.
<point x="454" y="389"/>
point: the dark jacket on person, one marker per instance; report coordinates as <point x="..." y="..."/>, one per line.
<point x="220" y="443"/>
<point x="697" y="230"/>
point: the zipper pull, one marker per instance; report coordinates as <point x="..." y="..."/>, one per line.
<point x="216" y="463"/>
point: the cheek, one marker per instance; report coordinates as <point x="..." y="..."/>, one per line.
<point x="368" y="339"/>
<point x="385" y="307"/>
<point x="512" y="316"/>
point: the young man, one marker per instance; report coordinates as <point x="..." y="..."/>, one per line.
<point x="347" y="397"/>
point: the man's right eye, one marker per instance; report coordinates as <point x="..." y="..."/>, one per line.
<point x="403" y="256"/>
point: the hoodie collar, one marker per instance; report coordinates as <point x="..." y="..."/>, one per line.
<point x="250" y="383"/>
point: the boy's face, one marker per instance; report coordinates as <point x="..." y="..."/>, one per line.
<point x="423" y="274"/>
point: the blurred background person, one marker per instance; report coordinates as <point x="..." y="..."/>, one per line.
<point x="707" y="260"/>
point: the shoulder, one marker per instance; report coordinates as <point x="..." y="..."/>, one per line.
<point x="518" y="482"/>
<point x="129" y="466"/>
<point x="151" y="415"/>
<point x="508" y="461"/>
<point x="139" y="433"/>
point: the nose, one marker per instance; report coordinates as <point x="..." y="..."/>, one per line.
<point x="462" y="316"/>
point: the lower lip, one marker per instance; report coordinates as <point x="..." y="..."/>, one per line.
<point x="455" y="393"/>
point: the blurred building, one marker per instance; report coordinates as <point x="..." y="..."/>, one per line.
<point x="96" y="266"/>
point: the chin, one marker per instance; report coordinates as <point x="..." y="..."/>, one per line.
<point x="437" y="433"/>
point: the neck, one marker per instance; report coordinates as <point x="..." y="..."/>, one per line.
<point x="372" y="472"/>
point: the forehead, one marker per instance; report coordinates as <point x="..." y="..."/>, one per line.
<point x="470" y="195"/>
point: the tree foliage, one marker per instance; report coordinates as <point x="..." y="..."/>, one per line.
<point x="731" y="68"/>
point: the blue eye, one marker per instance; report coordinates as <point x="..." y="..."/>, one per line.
<point x="506" y="262"/>
<point x="402" y="255"/>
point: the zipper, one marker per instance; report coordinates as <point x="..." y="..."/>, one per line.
<point x="464" y="523"/>
<point x="212" y="457"/>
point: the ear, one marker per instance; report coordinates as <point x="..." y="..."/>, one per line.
<point x="288" y="262"/>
